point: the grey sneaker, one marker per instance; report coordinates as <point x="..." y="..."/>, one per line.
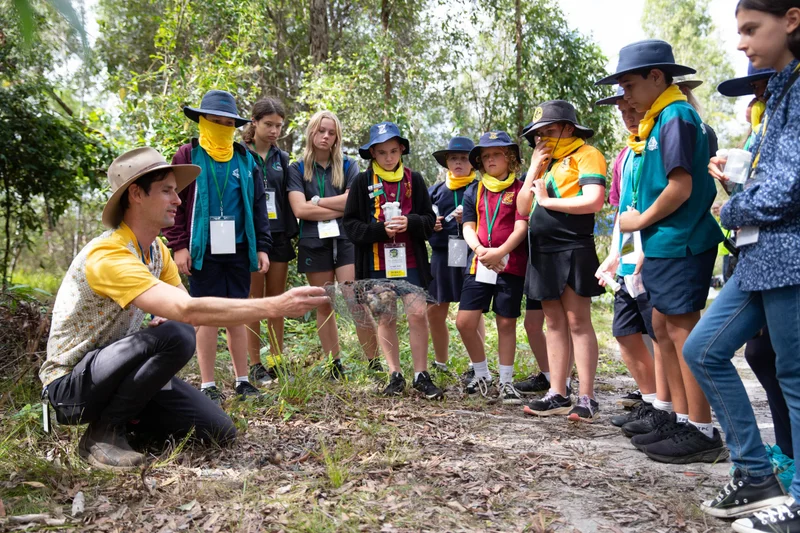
<point x="214" y="394"/>
<point x="586" y="410"/>
<point x="479" y="385"/>
<point x="551" y="405"/>
<point x="509" y="395"/>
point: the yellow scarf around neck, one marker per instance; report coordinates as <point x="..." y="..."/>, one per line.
<point x="217" y="140"/>
<point x="495" y="185"/>
<point x="388" y="175"/>
<point x="756" y="114"/>
<point x="671" y="95"/>
<point x="454" y="183"/>
<point x="564" y="146"/>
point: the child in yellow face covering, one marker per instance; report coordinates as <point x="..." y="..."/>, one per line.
<point x="221" y="232"/>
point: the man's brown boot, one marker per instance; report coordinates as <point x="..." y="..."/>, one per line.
<point x="106" y="446"/>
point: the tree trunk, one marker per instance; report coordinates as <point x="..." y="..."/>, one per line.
<point x="518" y="47"/>
<point x="318" y="30"/>
<point x="7" y="251"/>
<point x="387" y="71"/>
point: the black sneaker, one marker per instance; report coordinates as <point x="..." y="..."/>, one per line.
<point x="741" y="497"/>
<point x="533" y="384"/>
<point x="509" y="395"/>
<point x="374" y="366"/>
<point x="586" y="410"/>
<point x="396" y="386"/>
<point x="667" y="426"/>
<point x="630" y="400"/>
<point x="552" y="404"/>
<point x="689" y="445"/>
<point x="648" y="422"/>
<point x="479" y="385"/>
<point x="468" y="376"/>
<point x="261" y="376"/>
<point x="245" y="391"/>
<point x="425" y="385"/>
<point x="337" y="370"/>
<point x="779" y="519"/>
<point x="214" y="394"/>
<point x="640" y="411"/>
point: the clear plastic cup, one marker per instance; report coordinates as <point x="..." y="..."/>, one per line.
<point x="391" y="210"/>
<point x="737" y="167"/>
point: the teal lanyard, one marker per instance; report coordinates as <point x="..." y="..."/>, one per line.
<point x="490" y="222"/>
<point x="225" y="186"/>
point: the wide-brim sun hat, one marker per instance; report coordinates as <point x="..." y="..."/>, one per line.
<point x="612" y="100"/>
<point x="688" y="83"/>
<point x="744" y="86"/>
<point x="219" y="103"/>
<point x="552" y="112"/>
<point x="380" y="133"/>
<point x="648" y="54"/>
<point x="492" y="139"/>
<point x="456" y="145"/>
<point x="131" y="166"/>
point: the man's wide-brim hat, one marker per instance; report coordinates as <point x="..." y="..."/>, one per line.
<point x="744" y="85"/>
<point x="492" y="139"/>
<point x="131" y="166"/>
<point x="380" y="133"/>
<point x="552" y="112"/>
<point x="219" y="103"/>
<point x="643" y="55"/>
<point x="456" y="145"/>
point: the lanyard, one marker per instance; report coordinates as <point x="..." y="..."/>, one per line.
<point x="320" y="183"/>
<point x="792" y="79"/>
<point x="637" y="178"/>
<point x="378" y="203"/>
<point x="455" y="199"/>
<point x="225" y="186"/>
<point x="490" y="222"/>
<point x="547" y="175"/>
<point x="142" y="251"/>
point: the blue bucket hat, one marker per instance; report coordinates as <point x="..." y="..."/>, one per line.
<point x="380" y="133"/>
<point x="743" y="86"/>
<point x="492" y="139"/>
<point x="219" y="103"/>
<point x="648" y="54"/>
<point x="456" y="144"/>
<point x="612" y="100"/>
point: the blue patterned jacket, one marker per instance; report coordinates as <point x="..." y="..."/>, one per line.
<point x="772" y="203"/>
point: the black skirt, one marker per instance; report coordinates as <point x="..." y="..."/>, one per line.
<point x="550" y="272"/>
<point x="447" y="281"/>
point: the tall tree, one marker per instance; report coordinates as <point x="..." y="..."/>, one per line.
<point x="318" y="30"/>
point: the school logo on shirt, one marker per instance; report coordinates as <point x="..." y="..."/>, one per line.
<point x="653" y="144"/>
<point x="566" y="161"/>
<point x="381" y="129"/>
<point x="537" y="114"/>
<point x="235" y="173"/>
<point x="508" y="198"/>
<point x="703" y="128"/>
<point x="277" y="166"/>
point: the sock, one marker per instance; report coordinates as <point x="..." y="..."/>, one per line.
<point x="442" y="366"/>
<point x="681" y="419"/>
<point x="547" y="375"/>
<point x="649" y="398"/>
<point x="416" y="376"/>
<point x="481" y="369"/>
<point x="569" y="382"/>
<point x="207" y="385"/>
<point x="706" y="429"/>
<point x="242" y="379"/>
<point x="470" y="365"/>
<point x="506" y="373"/>
<point x="663" y="406"/>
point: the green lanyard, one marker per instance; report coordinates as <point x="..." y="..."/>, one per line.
<point x="225" y="186"/>
<point x="321" y="183"/>
<point x="636" y="180"/>
<point x="490" y="223"/>
<point x="262" y="163"/>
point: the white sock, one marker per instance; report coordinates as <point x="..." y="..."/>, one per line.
<point x="706" y="429"/>
<point x="506" y="373"/>
<point x="569" y="382"/>
<point x="649" y="398"/>
<point x="681" y="419"/>
<point x="547" y="375"/>
<point x="481" y="369"/>
<point x="663" y="406"/>
<point x="242" y="379"/>
<point x="417" y="375"/>
<point x="437" y="364"/>
<point x="207" y="385"/>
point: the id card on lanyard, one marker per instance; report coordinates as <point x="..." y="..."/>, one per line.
<point x="222" y="229"/>
<point x="272" y="208"/>
<point x="395" y="257"/>
<point x="326" y="229"/>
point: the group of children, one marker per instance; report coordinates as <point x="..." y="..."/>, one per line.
<point x="497" y="232"/>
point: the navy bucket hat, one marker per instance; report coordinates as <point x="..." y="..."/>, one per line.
<point x="456" y="144"/>
<point x="552" y="112"/>
<point x="492" y="139"/>
<point x="219" y="103"/>
<point x="612" y="100"/>
<point x="744" y="85"/>
<point x="380" y="133"/>
<point x="648" y="54"/>
<point x="688" y="83"/>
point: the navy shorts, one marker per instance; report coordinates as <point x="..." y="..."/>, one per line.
<point x="447" y="280"/>
<point x="679" y="285"/>
<point x="631" y="315"/>
<point x="223" y="275"/>
<point x="316" y="255"/>
<point x="532" y="305"/>
<point x="505" y="298"/>
<point x="282" y="249"/>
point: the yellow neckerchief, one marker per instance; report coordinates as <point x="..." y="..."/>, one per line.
<point x="495" y="185"/>
<point x="454" y="183"/>
<point x="564" y="146"/>
<point x="671" y="95"/>
<point x="756" y="114"/>
<point x="388" y="175"/>
<point x="216" y="140"/>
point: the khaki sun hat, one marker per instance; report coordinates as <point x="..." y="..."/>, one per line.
<point x="131" y="166"/>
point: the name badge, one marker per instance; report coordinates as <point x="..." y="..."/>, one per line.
<point x="487" y="275"/>
<point x="631" y="248"/>
<point x="376" y="193"/>
<point x="457" y="250"/>
<point x="272" y="209"/>
<point x="328" y="229"/>
<point x="395" y="257"/>
<point x="222" y="232"/>
<point x="747" y="235"/>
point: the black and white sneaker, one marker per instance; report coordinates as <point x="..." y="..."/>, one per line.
<point x="259" y="375"/>
<point x="586" y="410"/>
<point x="551" y="405"/>
<point x="396" y="386"/>
<point x="479" y="385"/>
<point x="336" y="370"/>
<point x="374" y="366"/>
<point x="214" y="394"/>
<point x="630" y="400"/>
<point x="533" y="384"/>
<point x="509" y="395"/>
<point x="648" y="421"/>
<point x="741" y="497"/>
<point x="468" y="376"/>
<point x="779" y="519"/>
<point x="640" y="411"/>
<point x="246" y="391"/>
<point x="424" y="384"/>
<point x="688" y="445"/>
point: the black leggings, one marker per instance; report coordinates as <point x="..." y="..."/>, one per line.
<point x="132" y="381"/>
<point x="761" y="357"/>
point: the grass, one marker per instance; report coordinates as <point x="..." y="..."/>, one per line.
<point x="46" y="282"/>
